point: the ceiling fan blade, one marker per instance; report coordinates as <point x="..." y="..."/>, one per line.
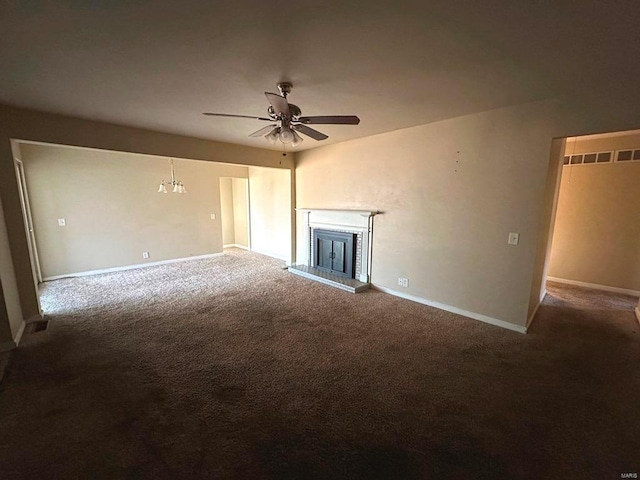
<point x="236" y="116"/>
<point x="331" y="120"/>
<point x="279" y="104"/>
<point x="310" y="132"/>
<point x="263" y="131"/>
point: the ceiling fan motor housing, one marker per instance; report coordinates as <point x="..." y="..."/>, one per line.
<point x="294" y="111"/>
<point x="284" y="88"/>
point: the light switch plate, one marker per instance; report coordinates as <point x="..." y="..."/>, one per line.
<point x="514" y="238"/>
<point x="62" y="222"/>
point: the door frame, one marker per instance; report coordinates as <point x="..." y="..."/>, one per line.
<point x="248" y="202"/>
<point x="28" y="221"/>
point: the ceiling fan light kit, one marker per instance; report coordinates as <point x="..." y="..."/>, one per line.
<point x="273" y="135"/>
<point x="289" y="121"/>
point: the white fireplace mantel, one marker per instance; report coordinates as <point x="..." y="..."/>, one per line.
<point x="354" y="219"/>
<point x="349" y="220"/>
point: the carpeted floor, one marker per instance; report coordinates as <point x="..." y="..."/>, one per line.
<point x="234" y="368"/>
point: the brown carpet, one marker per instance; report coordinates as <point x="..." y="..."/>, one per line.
<point x="234" y="368"/>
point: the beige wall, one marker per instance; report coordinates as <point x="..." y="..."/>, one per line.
<point x="444" y="229"/>
<point x="240" y="188"/>
<point x="113" y="211"/>
<point x="270" y="211"/>
<point x="597" y="234"/>
<point x="547" y="223"/>
<point x="6" y="336"/>
<point x="226" y="211"/>
<point x="235" y="211"/>
<point x="450" y="193"/>
<point x="10" y="311"/>
<point x="446" y="191"/>
<point x="16" y="123"/>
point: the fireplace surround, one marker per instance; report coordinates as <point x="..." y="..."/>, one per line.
<point x="349" y="232"/>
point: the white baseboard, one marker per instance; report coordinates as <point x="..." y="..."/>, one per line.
<point x="235" y="245"/>
<point x="131" y="267"/>
<point x="272" y="254"/>
<point x="10" y="345"/>
<point x="23" y="325"/>
<point x="595" y="286"/>
<point x="459" y="311"/>
<point x="638" y="314"/>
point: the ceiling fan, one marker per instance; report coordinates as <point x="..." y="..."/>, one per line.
<point x="288" y="121"/>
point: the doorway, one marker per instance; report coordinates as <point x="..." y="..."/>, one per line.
<point x="590" y="227"/>
<point x="595" y="242"/>
<point x="234" y="213"/>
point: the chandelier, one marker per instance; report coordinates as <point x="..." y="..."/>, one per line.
<point x="178" y="187"/>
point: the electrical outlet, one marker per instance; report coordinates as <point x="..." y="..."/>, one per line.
<point x="213" y="216"/>
<point x="514" y="238"/>
<point x="62" y="222"/>
<point x="403" y="282"/>
<point x="145" y="255"/>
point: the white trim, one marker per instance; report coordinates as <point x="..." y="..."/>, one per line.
<point x="10" y="345"/>
<point x="336" y="226"/>
<point x="23" y="325"/>
<point x="27" y="218"/>
<point x="638" y="314"/>
<point x="131" y="267"/>
<point x="459" y="311"/>
<point x="235" y="245"/>
<point x="595" y="286"/>
<point x="535" y="310"/>
<point x="633" y="152"/>
<point x="367" y="213"/>
<point x="279" y="256"/>
<point x="611" y="159"/>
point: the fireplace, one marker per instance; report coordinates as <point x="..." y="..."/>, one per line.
<point x="335" y="247"/>
<point x="334" y="252"/>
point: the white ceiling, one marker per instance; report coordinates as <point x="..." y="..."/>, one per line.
<point x="158" y="64"/>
